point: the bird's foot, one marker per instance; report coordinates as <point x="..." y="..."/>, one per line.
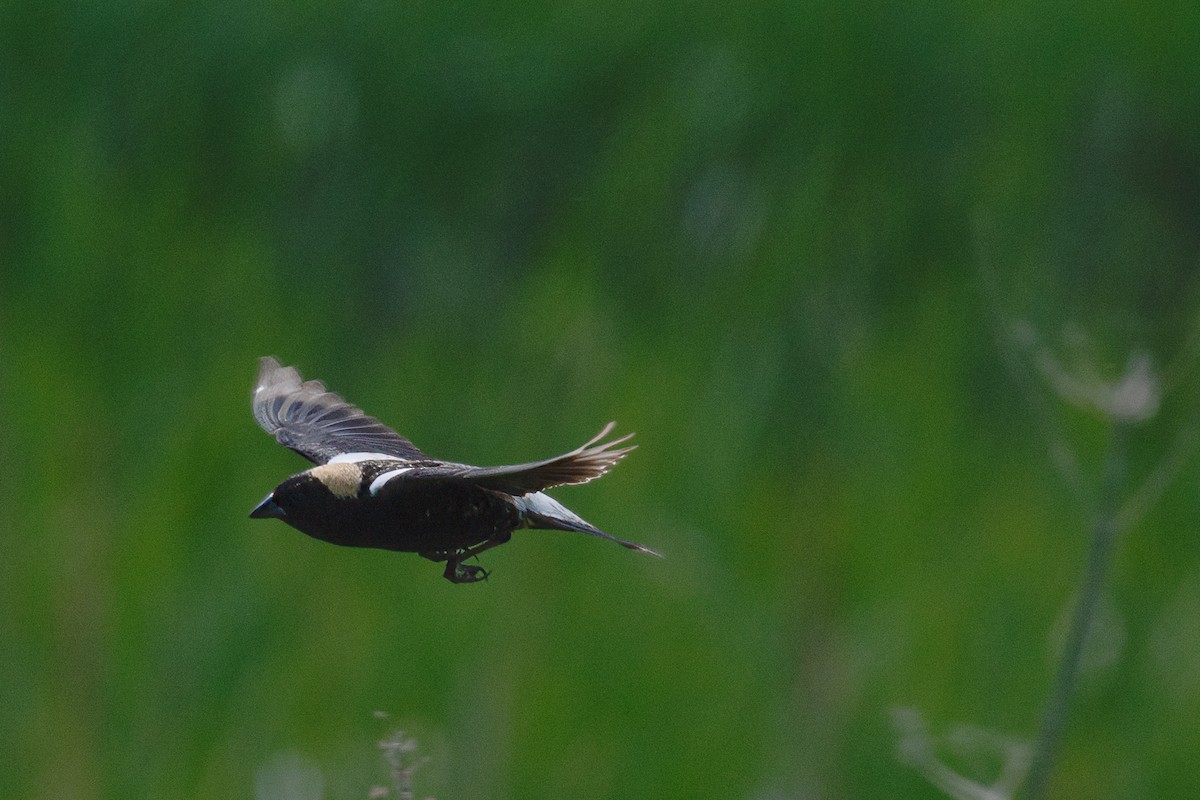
<point x="457" y="572"/>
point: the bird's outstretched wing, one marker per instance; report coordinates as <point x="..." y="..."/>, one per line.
<point x="318" y="424"/>
<point x="584" y="463"/>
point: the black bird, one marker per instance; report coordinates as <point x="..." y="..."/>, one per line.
<point x="374" y="488"/>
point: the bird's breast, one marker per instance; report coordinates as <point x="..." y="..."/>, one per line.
<point x="418" y="515"/>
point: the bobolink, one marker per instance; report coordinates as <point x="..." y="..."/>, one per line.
<point x="373" y="488"/>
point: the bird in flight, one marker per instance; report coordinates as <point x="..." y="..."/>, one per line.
<point x="373" y="488"/>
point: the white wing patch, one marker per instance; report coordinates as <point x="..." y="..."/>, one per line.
<point x="354" y="458"/>
<point x="378" y="483"/>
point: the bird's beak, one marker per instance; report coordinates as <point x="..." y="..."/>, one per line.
<point x="267" y="508"/>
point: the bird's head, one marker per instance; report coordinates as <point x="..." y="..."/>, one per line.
<point x="311" y="495"/>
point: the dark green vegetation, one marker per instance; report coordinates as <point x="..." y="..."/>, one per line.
<point x="761" y="235"/>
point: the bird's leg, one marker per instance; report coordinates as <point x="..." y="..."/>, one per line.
<point x="458" y="572"/>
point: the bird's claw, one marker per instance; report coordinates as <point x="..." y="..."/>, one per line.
<point x="457" y="572"/>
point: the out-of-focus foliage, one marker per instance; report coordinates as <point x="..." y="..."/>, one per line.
<point x="803" y="249"/>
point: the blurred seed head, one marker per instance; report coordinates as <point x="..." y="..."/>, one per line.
<point x="1134" y="396"/>
<point x="977" y="747"/>
<point x="400" y="752"/>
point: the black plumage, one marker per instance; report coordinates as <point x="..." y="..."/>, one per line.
<point x="373" y="488"/>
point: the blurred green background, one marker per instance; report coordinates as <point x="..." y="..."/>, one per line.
<point x="832" y="262"/>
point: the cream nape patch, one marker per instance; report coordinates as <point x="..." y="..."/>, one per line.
<point x="342" y="480"/>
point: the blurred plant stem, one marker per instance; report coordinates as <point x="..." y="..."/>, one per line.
<point x="1104" y="533"/>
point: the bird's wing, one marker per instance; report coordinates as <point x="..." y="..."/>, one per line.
<point x="319" y="424"/>
<point x="581" y="465"/>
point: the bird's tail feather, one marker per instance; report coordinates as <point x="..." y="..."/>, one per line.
<point x="540" y="510"/>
